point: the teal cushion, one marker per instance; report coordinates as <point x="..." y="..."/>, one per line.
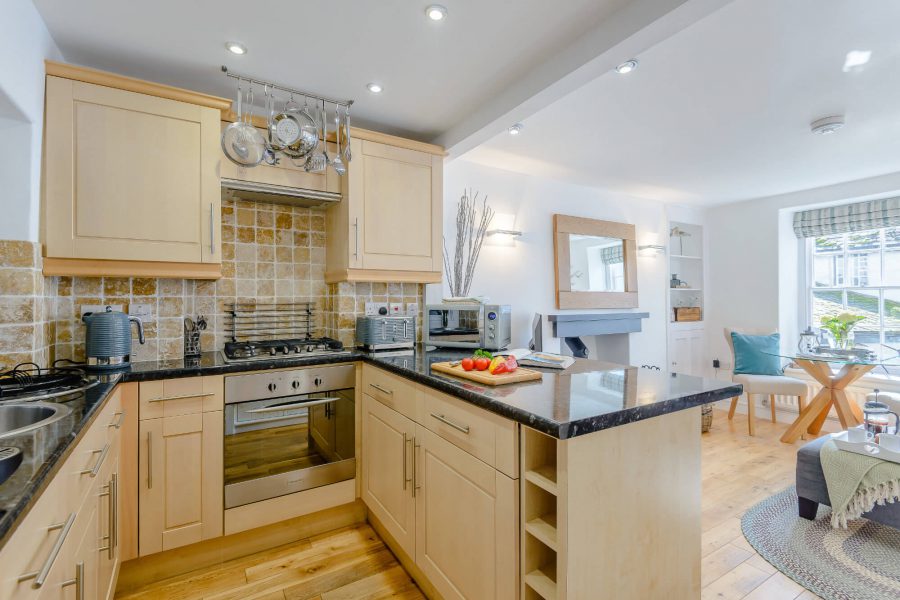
<point x="756" y="354"/>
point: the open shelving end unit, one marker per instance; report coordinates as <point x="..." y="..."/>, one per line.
<point x="539" y="535"/>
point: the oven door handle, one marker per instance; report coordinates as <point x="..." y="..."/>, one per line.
<point x="288" y="406"/>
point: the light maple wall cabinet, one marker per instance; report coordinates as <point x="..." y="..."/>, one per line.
<point x="68" y="545"/>
<point x="433" y="478"/>
<point x="180" y="462"/>
<point x="130" y="179"/>
<point x="389" y="225"/>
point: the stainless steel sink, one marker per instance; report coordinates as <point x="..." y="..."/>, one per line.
<point x="16" y="419"/>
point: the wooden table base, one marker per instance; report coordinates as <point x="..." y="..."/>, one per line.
<point x="832" y="393"/>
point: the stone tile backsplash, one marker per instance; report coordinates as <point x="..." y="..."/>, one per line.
<point x="26" y="306"/>
<point x="270" y="253"/>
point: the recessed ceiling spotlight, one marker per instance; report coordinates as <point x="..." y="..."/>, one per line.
<point x="516" y="129"/>
<point x="436" y="12"/>
<point x="856" y="60"/>
<point x="236" y="47"/>
<point x="374" y="88"/>
<point x="627" y="67"/>
<point x="827" y="125"/>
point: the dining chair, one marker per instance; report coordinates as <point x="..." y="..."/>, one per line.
<point x="768" y="385"/>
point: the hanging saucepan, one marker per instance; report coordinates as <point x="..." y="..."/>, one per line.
<point x="242" y="143"/>
<point x="309" y="134"/>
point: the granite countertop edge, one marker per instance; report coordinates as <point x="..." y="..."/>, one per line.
<point x="50" y="467"/>
<point x="172" y="370"/>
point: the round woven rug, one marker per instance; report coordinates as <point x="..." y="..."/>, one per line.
<point x="861" y="562"/>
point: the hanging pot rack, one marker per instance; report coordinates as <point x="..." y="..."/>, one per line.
<point x="288" y="90"/>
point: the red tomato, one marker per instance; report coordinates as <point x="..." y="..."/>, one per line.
<point x="481" y="363"/>
<point x="467" y="364"/>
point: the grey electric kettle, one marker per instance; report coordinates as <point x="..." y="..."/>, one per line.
<point x="108" y="338"/>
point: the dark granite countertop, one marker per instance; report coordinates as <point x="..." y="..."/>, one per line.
<point x="587" y="397"/>
<point x="45" y="449"/>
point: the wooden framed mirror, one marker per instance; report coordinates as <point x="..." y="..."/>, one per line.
<point x="596" y="263"/>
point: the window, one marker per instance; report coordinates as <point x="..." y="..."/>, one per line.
<point x="859" y="272"/>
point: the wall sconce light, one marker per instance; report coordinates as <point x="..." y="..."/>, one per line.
<point x="504" y="233"/>
<point x="651" y="249"/>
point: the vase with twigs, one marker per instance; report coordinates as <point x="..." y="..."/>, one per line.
<point x="471" y="227"/>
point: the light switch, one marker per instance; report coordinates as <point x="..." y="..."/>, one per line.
<point x="396" y="308"/>
<point x="143" y="311"/>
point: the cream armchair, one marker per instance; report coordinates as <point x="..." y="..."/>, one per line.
<point x="769" y="385"/>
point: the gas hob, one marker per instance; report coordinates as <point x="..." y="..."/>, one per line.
<point x="285" y="349"/>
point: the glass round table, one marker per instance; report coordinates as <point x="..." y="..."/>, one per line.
<point x="819" y="367"/>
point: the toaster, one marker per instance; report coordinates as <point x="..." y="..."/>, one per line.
<point x="385" y="332"/>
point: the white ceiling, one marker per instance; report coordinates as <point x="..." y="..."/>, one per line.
<point x="434" y="74"/>
<point x="720" y="111"/>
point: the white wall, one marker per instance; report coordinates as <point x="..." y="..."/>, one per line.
<point x="522" y="276"/>
<point x="24" y="44"/>
<point x="754" y="267"/>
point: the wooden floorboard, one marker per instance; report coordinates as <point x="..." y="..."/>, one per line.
<point x="354" y="564"/>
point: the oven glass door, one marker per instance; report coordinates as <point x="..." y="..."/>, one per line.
<point x="454" y="326"/>
<point x="284" y="445"/>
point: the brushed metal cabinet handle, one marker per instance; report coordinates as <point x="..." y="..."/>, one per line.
<point x="96" y="468"/>
<point x="149" y="460"/>
<point x="114" y="518"/>
<point x="415" y="470"/>
<point x="458" y="427"/>
<point x="118" y="423"/>
<point x="184" y="397"/>
<point x="405" y="480"/>
<point x="78" y="581"/>
<point x="212" y="230"/>
<point x="381" y="389"/>
<point x="40" y="576"/>
<point x="356" y="236"/>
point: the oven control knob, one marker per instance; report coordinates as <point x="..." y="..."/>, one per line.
<point x="272" y="351"/>
<point x="317" y="381"/>
<point x="272" y="387"/>
<point x="295" y="384"/>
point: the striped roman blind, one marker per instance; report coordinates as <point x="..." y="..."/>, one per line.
<point x="860" y="216"/>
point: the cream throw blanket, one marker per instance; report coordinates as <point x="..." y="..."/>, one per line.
<point x="857" y="483"/>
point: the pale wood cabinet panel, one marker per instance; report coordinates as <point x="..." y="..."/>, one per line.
<point x="129" y="177"/>
<point x="180" y="473"/>
<point x="460" y="513"/>
<point x="387" y="438"/>
<point x="390" y="220"/>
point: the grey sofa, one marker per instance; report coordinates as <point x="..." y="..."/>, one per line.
<point x="813" y="491"/>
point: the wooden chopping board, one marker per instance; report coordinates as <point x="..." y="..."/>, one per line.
<point x="485" y="378"/>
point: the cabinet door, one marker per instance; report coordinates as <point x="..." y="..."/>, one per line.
<point x="180" y="474"/>
<point x="697" y="341"/>
<point x="465" y="511"/>
<point x="108" y="533"/>
<point x="679" y="352"/>
<point x="398" y="192"/>
<point x="129" y="176"/>
<point x="387" y="439"/>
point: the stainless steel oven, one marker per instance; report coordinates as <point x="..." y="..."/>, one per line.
<point x="288" y="431"/>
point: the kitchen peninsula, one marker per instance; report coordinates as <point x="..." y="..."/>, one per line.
<point x="588" y="479"/>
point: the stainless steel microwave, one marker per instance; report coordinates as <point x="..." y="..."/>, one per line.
<point x="468" y="326"/>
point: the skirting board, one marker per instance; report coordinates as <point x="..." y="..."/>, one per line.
<point x="258" y="514"/>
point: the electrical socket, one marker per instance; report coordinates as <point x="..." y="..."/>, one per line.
<point x="412" y="309"/>
<point x="96" y="308"/>
<point x="142" y="311"/>
<point x="373" y="309"/>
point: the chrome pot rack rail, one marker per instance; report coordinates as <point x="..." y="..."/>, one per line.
<point x="274" y="86"/>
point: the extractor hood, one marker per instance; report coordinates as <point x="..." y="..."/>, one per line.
<point x="276" y="194"/>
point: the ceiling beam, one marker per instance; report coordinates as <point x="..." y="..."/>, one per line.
<point x="631" y="30"/>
